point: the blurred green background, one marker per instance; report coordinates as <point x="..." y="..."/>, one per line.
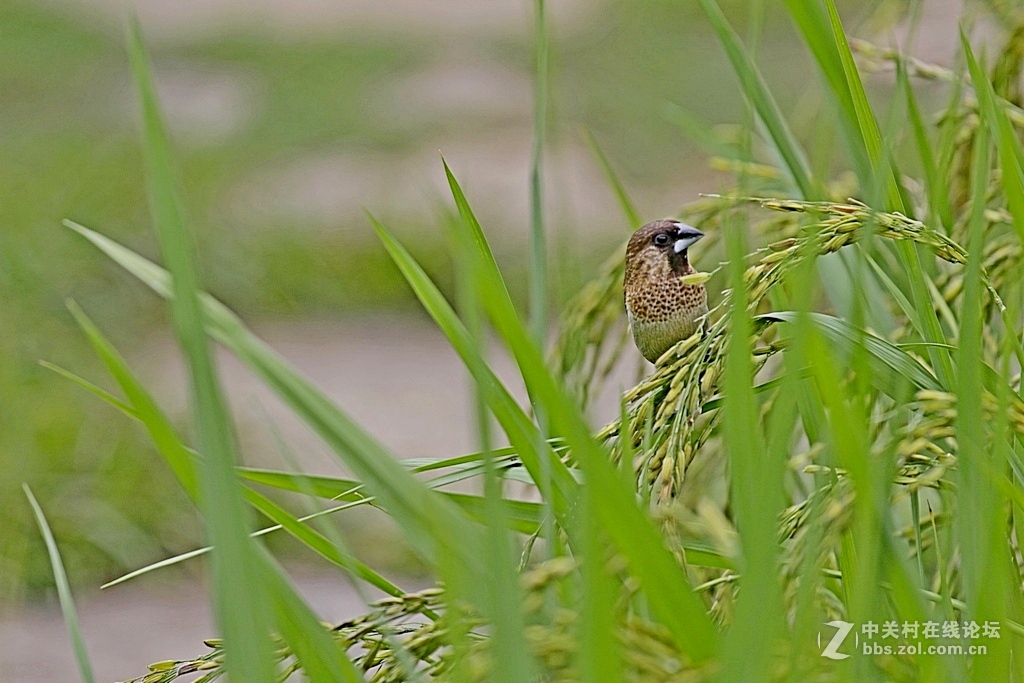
<point x="289" y="119"/>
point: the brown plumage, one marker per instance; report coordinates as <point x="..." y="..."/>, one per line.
<point x="662" y="308"/>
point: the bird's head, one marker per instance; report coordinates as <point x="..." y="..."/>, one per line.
<point x="661" y="246"/>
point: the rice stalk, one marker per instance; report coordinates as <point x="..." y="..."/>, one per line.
<point x="688" y="375"/>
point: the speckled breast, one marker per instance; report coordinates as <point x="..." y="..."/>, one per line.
<point x="663" y="312"/>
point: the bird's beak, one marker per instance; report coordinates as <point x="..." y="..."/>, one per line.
<point x="688" y="236"/>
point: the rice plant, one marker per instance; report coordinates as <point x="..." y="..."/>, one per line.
<point x="823" y="483"/>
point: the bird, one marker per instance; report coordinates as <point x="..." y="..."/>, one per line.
<point x="662" y="306"/>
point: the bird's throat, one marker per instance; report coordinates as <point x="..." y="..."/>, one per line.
<point x="679" y="263"/>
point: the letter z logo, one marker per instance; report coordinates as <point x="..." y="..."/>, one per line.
<point x="831" y="650"/>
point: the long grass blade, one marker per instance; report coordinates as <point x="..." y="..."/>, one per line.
<point x="517" y="425"/>
<point x="181" y="458"/>
<point x="626" y="204"/>
<point x="1006" y="139"/>
<point x="813" y="23"/>
<point x="319" y="543"/>
<point x="938" y="197"/>
<point x="600" y="650"/>
<point x="667" y="589"/>
<point x="760" y="97"/>
<point x="987" y="585"/>
<point x="513" y="660"/>
<point x="239" y="593"/>
<point x="432" y="525"/>
<point x="182" y="461"/>
<point x="91" y="388"/>
<point x="538" y="237"/>
<point x="889" y="360"/>
<point x="755" y="495"/>
<point x="823" y="32"/>
<point x="322" y="660"/>
<point x="142" y="406"/>
<point x="67" y="602"/>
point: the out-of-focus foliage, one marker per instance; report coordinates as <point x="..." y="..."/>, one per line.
<point x="244" y="102"/>
<point x="842" y="441"/>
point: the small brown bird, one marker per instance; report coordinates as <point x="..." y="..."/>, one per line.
<point x="662" y="307"/>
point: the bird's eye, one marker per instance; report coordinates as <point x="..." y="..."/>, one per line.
<point x="662" y="239"/>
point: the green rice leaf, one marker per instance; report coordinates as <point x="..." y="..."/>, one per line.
<point x="142" y="406"/>
<point x="182" y="459"/>
<point x="67" y="602"/>
<point x="889" y="358"/>
<point x="242" y="615"/>
<point x="986" y="583"/>
<point x="520" y="430"/>
<point x="938" y="196"/>
<point x="668" y="592"/>
<point x="431" y="524"/>
<point x="102" y="394"/>
<point x="756" y="91"/>
<point x="322" y="660"/>
<point x="813" y="22"/>
<point x="1007" y="142"/>
<point x="319" y="543"/>
<point x="755" y="494"/>
<point x="629" y="210"/>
